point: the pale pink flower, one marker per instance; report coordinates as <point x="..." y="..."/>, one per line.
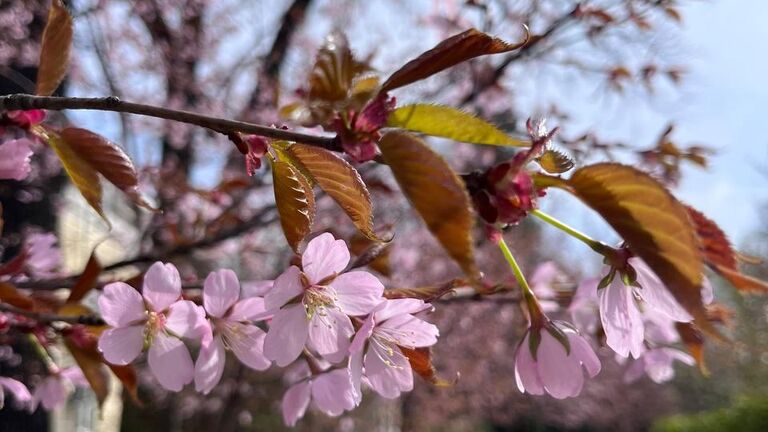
<point x="390" y="326"/>
<point x="43" y="257"/>
<point x="315" y="304"/>
<point x="330" y="392"/>
<point x="19" y="391"/>
<point x="14" y="159"/>
<point x="157" y="316"/>
<point x="55" y="389"/>
<point x="584" y="308"/>
<point x="621" y="305"/>
<point x="657" y="363"/>
<point x="230" y="326"/>
<point x="544" y="277"/>
<point x="544" y="364"/>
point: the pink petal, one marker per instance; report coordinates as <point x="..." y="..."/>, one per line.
<point x="295" y="403"/>
<point x="410" y="332"/>
<point x="583" y="352"/>
<point x="209" y="366"/>
<point x="389" y="380"/>
<point x="51" y="393"/>
<point x="287" y="335"/>
<point x="249" y="309"/>
<point x="329" y="333"/>
<point x="389" y="308"/>
<point x="162" y="286"/>
<point x="561" y="374"/>
<point x="220" y="291"/>
<point x="358" y="292"/>
<point x="247" y="342"/>
<point x="526" y="373"/>
<point x="333" y="392"/>
<point x="14" y="159"/>
<point x="362" y="335"/>
<point x="324" y="256"/>
<point x="170" y="362"/>
<point x="185" y="319"/>
<point x="622" y="322"/>
<point x="256" y="288"/>
<point x="656" y="294"/>
<point x="121" y="345"/>
<point x="355" y="367"/>
<point x="707" y="291"/>
<point x="74" y="375"/>
<point x="287" y="286"/>
<point x="44" y="256"/>
<point x="18" y="390"/>
<point x="121" y="305"/>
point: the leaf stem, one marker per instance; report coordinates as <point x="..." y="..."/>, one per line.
<point x="595" y="245"/>
<point x="537" y="316"/>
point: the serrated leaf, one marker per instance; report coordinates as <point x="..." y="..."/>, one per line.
<point x="295" y="202"/>
<point x="83" y="175"/>
<point x="449" y="122"/>
<point x="436" y="192"/>
<point x="55" y="48"/>
<point x="454" y="50"/>
<point x="555" y="162"/>
<point x="654" y="224"/>
<point x="87" y="280"/>
<point x="334" y="69"/>
<point x="108" y="159"/>
<point x="340" y="181"/>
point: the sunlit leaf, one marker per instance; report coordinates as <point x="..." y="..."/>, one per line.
<point x="555" y="162"/>
<point x="694" y="341"/>
<point x="448" y="122"/>
<point x="83" y="175"/>
<point x="295" y="202"/>
<point x="334" y="69"/>
<point x="87" y="280"/>
<point x="741" y="281"/>
<point x="421" y="363"/>
<point x="454" y="50"/>
<point x="9" y="294"/>
<point x="654" y="224"/>
<point x="108" y="159"/>
<point x="55" y="48"/>
<point x="340" y="181"/>
<point x="371" y="253"/>
<point x="435" y="191"/>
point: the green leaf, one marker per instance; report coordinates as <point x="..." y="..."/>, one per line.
<point x="448" y="122"/>
<point x="436" y="192"/>
<point x="654" y="224"/>
<point x="55" y="48"/>
<point x="340" y="181"/>
<point x="295" y="202"/>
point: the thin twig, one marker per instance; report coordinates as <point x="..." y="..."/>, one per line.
<point x="43" y="317"/>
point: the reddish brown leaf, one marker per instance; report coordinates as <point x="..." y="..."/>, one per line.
<point x="127" y="376"/>
<point x="91" y="363"/>
<point x="9" y="294"/>
<point x="83" y="175"/>
<point x="370" y="253"/>
<point x="340" y="181"/>
<point x="714" y="244"/>
<point x="454" y="50"/>
<point x="54" y="51"/>
<point x="87" y="280"/>
<point x="334" y="70"/>
<point x="421" y="363"/>
<point x="295" y="202"/>
<point x="741" y="281"/>
<point x="694" y="341"/>
<point x="426" y="293"/>
<point x="436" y="192"/>
<point x="655" y="225"/>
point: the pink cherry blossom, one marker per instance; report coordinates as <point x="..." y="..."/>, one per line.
<point x="25" y="119"/>
<point x="315" y="305"/>
<point x="14" y="159"/>
<point x="544" y="277"/>
<point x="157" y="316"/>
<point x="390" y="326"/>
<point x="657" y="363"/>
<point x="330" y="392"/>
<point x="55" y="389"/>
<point x="43" y="257"/>
<point x="19" y="391"/>
<point x="230" y="326"/>
<point x="549" y="366"/>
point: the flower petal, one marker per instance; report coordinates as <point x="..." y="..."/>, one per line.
<point x="526" y="373"/>
<point x="355" y="367"/>
<point x="14" y="159"/>
<point x="582" y="351"/>
<point x="209" y="366"/>
<point x="186" y="319"/>
<point x="249" y="309"/>
<point x="389" y="380"/>
<point x="121" y="345"/>
<point x="410" y="332"/>
<point x="323" y="257"/>
<point x="19" y="391"/>
<point x="362" y="335"/>
<point x="170" y="362"/>
<point x="121" y="305"/>
<point x="560" y="373"/>
<point x="287" y="286"/>
<point x="295" y="402"/>
<point x="656" y="294"/>
<point x="256" y="288"/>
<point x="358" y="292"/>
<point x="247" y="342"/>
<point x="333" y="392"/>
<point x="162" y="286"/>
<point x="220" y="291"/>
<point x="287" y="335"/>
<point x="389" y="308"/>
<point x="329" y="333"/>
<point x="622" y="322"/>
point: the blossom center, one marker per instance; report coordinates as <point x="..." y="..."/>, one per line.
<point x="317" y="299"/>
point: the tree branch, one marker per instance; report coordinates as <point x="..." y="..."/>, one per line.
<point x="43" y="317"/>
<point x="114" y="104"/>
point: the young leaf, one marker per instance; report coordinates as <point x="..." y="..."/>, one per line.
<point x="83" y="175"/>
<point x="654" y="224"/>
<point x="54" y="51"/>
<point x="448" y="122"/>
<point x="421" y="363"/>
<point x="108" y="159"/>
<point x="555" y="162"/>
<point x="331" y="77"/>
<point x="91" y="363"/>
<point x="127" y="376"/>
<point x="87" y="280"/>
<point x="340" y="181"/>
<point x="436" y="192"/>
<point x="454" y="50"/>
<point x="295" y="202"/>
<point x="9" y="294"/>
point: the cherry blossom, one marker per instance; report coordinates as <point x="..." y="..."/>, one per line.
<point x="390" y="326"/>
<point x="550" y="360"/>
<point x="43" y="257"/>
<point x="157" y="316"/>
<point x="230" y="327"/>
<point x="19" y="391"/>
<point x="55" y="389"/>
<point x="330" y="392"/>
<point x="15" y="156"/>
<point x="657" y="363"/>
<point x="544" y="277"/>
<point x="315" y="304"/>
